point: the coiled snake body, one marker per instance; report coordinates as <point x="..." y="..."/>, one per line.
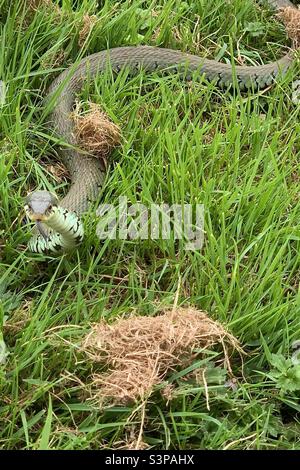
<point x="62" y="220"/>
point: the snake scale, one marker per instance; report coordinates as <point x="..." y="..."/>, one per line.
<point x="59" y="225"/>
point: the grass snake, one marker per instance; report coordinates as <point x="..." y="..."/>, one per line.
<point x="59" y="226"/>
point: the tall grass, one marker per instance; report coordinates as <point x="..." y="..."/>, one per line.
<point x="236" y="154"/>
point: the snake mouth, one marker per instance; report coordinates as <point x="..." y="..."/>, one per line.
<point x="38" y="217"/>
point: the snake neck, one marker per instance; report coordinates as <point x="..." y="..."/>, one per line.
<point x="64" y="231"/>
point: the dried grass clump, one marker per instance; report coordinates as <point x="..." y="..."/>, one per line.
<point x="291" y="18"/>
<point x="94" y="131"/>
<point x="48" y="5"/>
<point x="36" y="4"/>
<point x="141" y="350"/>
<point x="88" y="22"/>
<point x="58" y="171"/>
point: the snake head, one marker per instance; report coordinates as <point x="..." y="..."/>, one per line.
<point x="40" y="205"/>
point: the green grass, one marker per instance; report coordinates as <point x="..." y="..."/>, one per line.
<point x="237" y="155"/>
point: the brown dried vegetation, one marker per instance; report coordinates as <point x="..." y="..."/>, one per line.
<point x="291" y="19"/>
<point x="95" y="132"/>
<point x="140" y="351"/>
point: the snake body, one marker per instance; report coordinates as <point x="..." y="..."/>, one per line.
<point x="87" y="173"/>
